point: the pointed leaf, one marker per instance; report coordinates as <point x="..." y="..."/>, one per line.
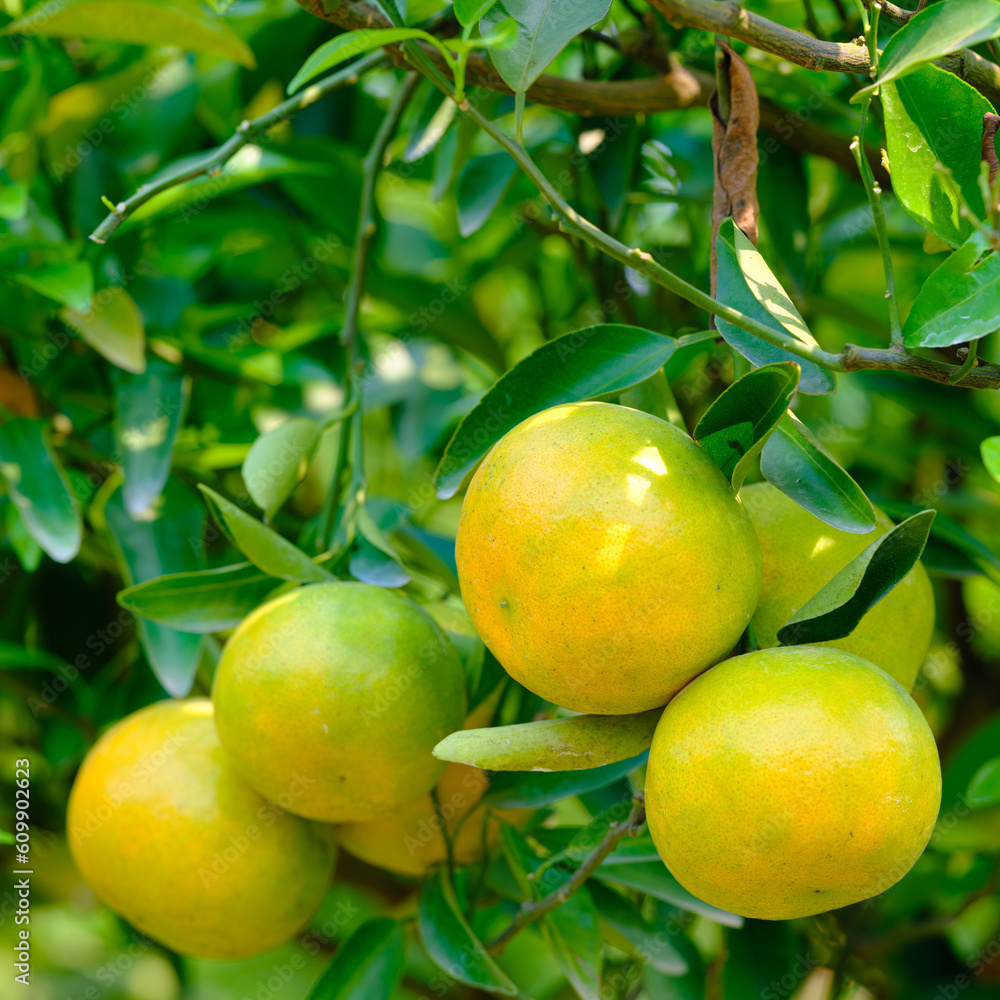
<point x="653" y="879"/>
<point x="432" y="123"/>
<point x="734" y="428"/>
<point x="798" y="465"/>
<point x="149" y="410"/>
<point x="470" y="11"/>
<point x="183" y="23"/>
<point x="571" y="744"/>
<point x="932" y="33"/>
<point x="838" y="608"/>
<point x="984" y="789"/>
<point x="113" y="327"/>
<point x="208" y="600"/>
<point x="596" y="361"/>
<point x="481" y="186"/>
<point x="71" y="284"/>
<point x="990" y="450"/>
<point x="395" y="10"/>
<point x="573" y="932"/>
<point x="530" y="790"/>
<point x="265" y="548"/>
<point x="931" y="117"/>
<point x="277" y="461"/>
<point x="547" y="26"/>
<point x="451" y="943"/>
<point x="374" y="561"/>
<point x="39" y="488"/>
<point x="367" y="966"/>
<point x="958" y="302"/>
<point x="745" y="282"/>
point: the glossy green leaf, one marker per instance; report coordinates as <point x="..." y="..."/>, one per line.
<point x="836" y="610"/>
<point x="183" y="23"/>
<point x="745" y="282"/>
<point x="546" y="28"/>
<point x="367" y="966"/>
<point x="265" y="548"/>
<point x="653" y="879"/>
<point x="597" y="361"/>
<point x="149" y="410"/>
<point x="573" y="932"/>
<point x="347" y="46"/>
<point x="931" y="116"/>
<point x="70" y="284"/>
<point x="395" y="10"/>
<point x="958" y="302"/>
<point x="374" y="560"/>
<point x="113" y="326"/>
<point x="435" y="115"/>
<point x="798" y="465"/>
<point x="481" y="186"/>
<point x="532" y="790"/>
<point x="933" y="32"/>
<point x="205" y="601"/>
<point x="277" y="461"/>
<point x="990" y="450"/>
<point x="167" y="540"/>
<point x="470" y="11"/>
<point x="650" y="944"/>
<point x="38" y="486"/>
<point x="734" y="428"/>
<point x="984" y="789"/>
<point x="570" y="744"/>
<point x="451" y="943"/>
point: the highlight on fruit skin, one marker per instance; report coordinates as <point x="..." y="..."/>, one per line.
<point x="604" y="558"/>
<point x="790" y="781"/>
<point x="801" y="555"/>
<point x="342" y="689"/>
<point x="167" y="834"/>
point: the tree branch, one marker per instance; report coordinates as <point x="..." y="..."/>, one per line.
<point x="530" y="912"/>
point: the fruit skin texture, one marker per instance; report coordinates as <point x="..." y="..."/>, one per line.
<point x="169" y="835"/>
<point x="802" y="554"/>
<point x="334" y="695"/>
<point x="791" y="781"/>
<point x="604" y="559"/>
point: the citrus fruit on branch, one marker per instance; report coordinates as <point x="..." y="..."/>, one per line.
<point x="166" y="832"/>
<point x="604" y="558"/>
<point x="342" y="689"/>
<point x="791" y="781"/>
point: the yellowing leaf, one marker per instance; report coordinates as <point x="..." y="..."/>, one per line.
<point x="113" y="327"/>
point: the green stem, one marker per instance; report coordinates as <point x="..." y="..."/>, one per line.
<point x="213" y="162"/>
<point x="968" y="364"/>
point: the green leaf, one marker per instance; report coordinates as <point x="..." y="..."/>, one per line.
<point x="265" y="548"/>
<point x="622" y="915"/>
<point x="149" y="410"/>
<point x="113" y="327"/>
<point x="395" y="10"/>
<point x="734" y="428"/>
<point x="166" y="540"/>
<point x="346" y="46"/>
<point x="277" y="461"/>
<point x="745" y="282"/>
<point x="958" y="302"/>
<point x="435" y="115"/>
<point x="6" y="838"/>
<point x="183" y="23"/>
<point x="547" y="26"/>
<point x="984" y="789"/>
<point x="205" y="601"/>
<point x="573" y="932"/>
<point x="798" y="465"/>
<point x="532" y="790"/>
<point x="71" y="284"/>
<point x="38" y="486"/>
<point x="13" y="200"/>
<point x="836" y="610"/>
<point x="481" y="186"/>
<point x="932" y="33"/>
<point x="990" y="450"/>
<point x="932" y="116"/>
<point x="571" y="744"/>
<point x="367" y="966"/>
<point x="451" y="943"/>
<point x="470" y="11"/>
<point x="653" y="879"/>
<point x="14" y="656"/>
<point x="374" y="560"/>
<point x="593" y="362"/>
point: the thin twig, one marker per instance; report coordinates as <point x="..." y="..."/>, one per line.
<point x="530" y="912"/>
<point x="213" y="162"/>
